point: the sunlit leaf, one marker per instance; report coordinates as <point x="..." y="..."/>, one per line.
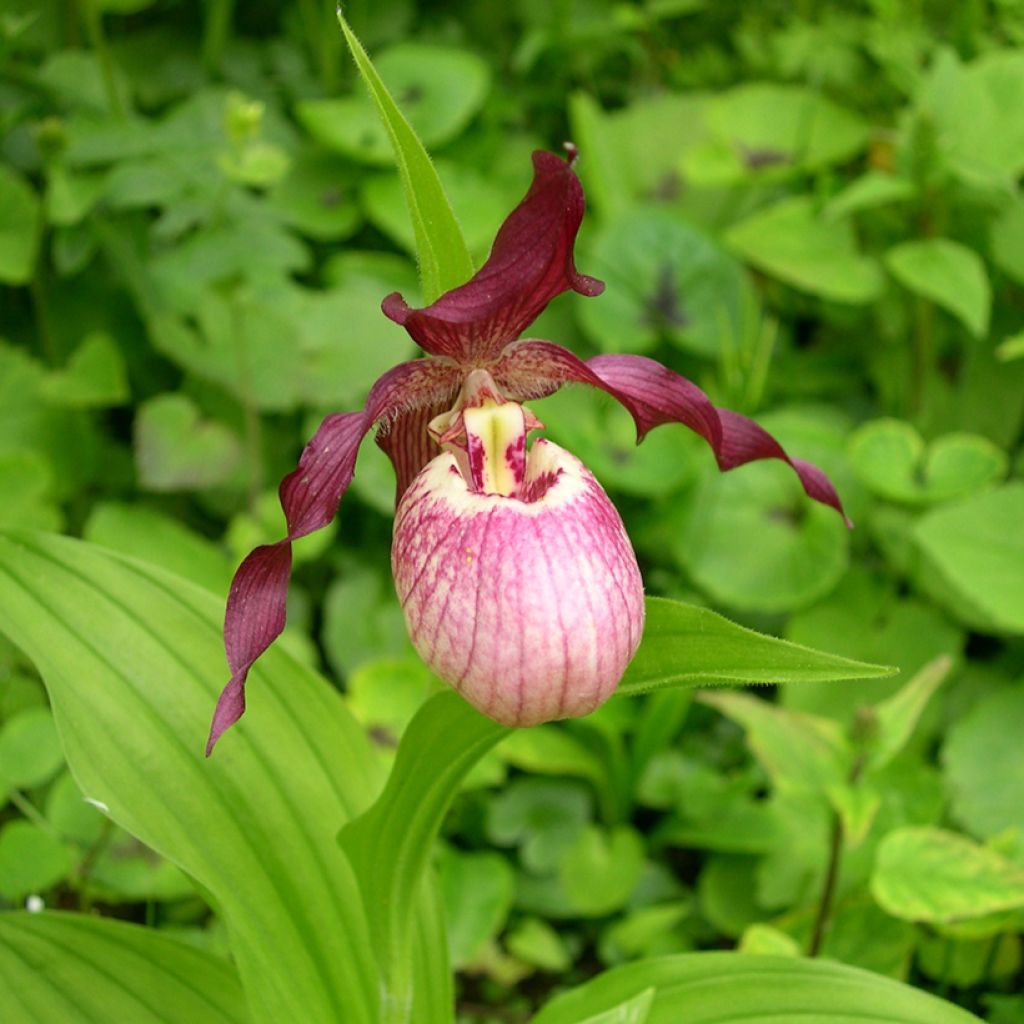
<point x="926" y="874"/>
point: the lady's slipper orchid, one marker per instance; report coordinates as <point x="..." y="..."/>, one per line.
<point x="519" y="585"/>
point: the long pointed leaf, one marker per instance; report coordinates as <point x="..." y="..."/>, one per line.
<point x="444" y="259"/>
<point x="684" y="645"/>
<point x="88" y="970"/>
<point x="133" y="662"/>
<point x="390" y="845"/>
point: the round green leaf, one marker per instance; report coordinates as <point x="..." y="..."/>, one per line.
<point x="977" y="547"/>
<point x="30" y="751"/>
<point x="317" y="197"/>
<point x="176" y="449"/>
<point x="31" y="860"/>
<point x="438" y="88"/>
<point x="666" y="279"/>
<point x="801" y="549"/>
<point x="599" y="870"/>
<point x="891" y="459"/>
<point x="771" y="125"/>
<point x="948" y="273"/>
<point x="792" y="242"/>
<point x="984" y="767"/>
<point x="95" y="376"/>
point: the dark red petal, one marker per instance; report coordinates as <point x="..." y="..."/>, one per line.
<point x="310" y="495"/>
<point x="654" y="394"/>
<point x="664" y="397"/>
<point x="530" y="263"/>
<point x="408" y="445"/>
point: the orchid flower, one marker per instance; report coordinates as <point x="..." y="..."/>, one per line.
<point x="519" y="585"/>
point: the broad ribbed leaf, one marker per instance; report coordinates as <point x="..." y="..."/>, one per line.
<point x="736" y="988"/>
<point x="684" y="645"/>
<point x="390" y="845"/>
<point x="89" y="970"/>
<point x="441" y="250"/>
<point x="132" y="658"/>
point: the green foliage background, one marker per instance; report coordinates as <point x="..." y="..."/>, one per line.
<point x="812" y="210"/>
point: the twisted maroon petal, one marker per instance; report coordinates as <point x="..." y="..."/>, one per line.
<point x="309" y="496"/>
<point x="654" y="395"/>
<point x="530" y="263"/>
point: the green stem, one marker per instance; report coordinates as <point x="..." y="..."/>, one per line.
<point x="216" y="30"/>
<point x="923" y="355"/>
<point x="30" y="811"/>
<point x="44" y="328"/>
<point x="93" y="22"/>
<point x="322" y="41"/>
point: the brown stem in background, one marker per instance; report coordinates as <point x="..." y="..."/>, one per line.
<point x="828" y="890"/>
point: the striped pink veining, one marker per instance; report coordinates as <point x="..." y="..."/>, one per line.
<point x="531" y="609"/>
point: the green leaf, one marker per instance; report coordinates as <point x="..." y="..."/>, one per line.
<point x="439" y="90"/>
<point x="868" y="192"/>
<point x="764" y="128"/>
<point x="20" y="222"/>
<point x="736" y="988"/>
<point x="318" y="198"/>
<point x="1006" y="235"/>
<point x="799" y="752"/>
<point x="80" y="969"/>
<point x="543" y="817"/>
<point x="926" y="874"/>
<point x="974" y="108"/>
<point x="535" y="942"/>
<point x="443" y="256"/>
<point x="27" y="483"/>
<point x="802" y="550"/>
<point x="977" y="546"/>
<point x="948" y="273"/>
<point x="599" y="870"/>
<point x="667" y="281"/>
<point x="894" y="719"/>
<point x="891" y="458"/>
<point x="684" y="645"/>
<point x="154" y="537"/>
<point x="634" y="1010"/>
<point x="31" y="860"/>
<point x="791" y="242"/>
<point x="94" y="377"/>
<point x="176" y="449"/>
<point x="128" y="651"/>
<point x="481" y="202"/>
<point x="477" y="890"/>
<point x="765" y="940"/>
<point x="983" y="764"/>
<point x="30" y="751"/>
<point x="605" y="174"/>
<point x="389" y="845"/>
